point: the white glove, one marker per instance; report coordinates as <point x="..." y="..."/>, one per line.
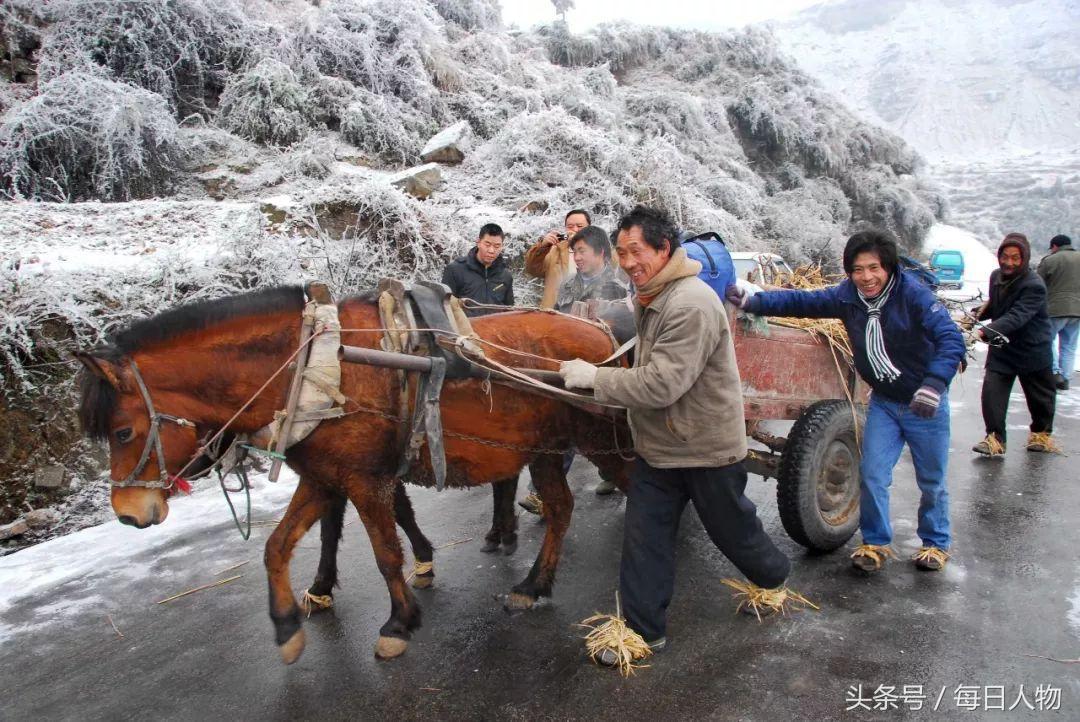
<point x="578" y="374"/>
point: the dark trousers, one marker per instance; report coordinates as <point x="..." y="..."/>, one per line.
<point x="1039" y="391"/>
<point x="654" y="506"/>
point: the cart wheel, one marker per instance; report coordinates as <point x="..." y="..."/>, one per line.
<point x="817" y="489"/>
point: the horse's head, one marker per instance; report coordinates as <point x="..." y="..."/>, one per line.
<point x="118" y="406"/>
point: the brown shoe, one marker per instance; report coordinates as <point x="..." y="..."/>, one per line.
<point x="990" y="446"/>
<point x="1042" y="442"/>
<point x="931" y="559"/>
<point x="871" y="557"/>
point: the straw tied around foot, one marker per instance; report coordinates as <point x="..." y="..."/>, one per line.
<point x="612" y="643"/>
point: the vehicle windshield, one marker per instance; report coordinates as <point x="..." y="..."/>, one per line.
<point x="746" y="269"/>
<point x="947" y="258"/>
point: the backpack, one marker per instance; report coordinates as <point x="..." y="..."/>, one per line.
<point x="717" y="268"/>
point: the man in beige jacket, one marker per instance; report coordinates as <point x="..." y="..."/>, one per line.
<point x="686" y="413"/>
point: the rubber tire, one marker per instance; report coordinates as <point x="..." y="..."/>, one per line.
<point x="820" y="425"/>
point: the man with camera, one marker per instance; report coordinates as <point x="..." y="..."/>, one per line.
<point x="549" y="258"/>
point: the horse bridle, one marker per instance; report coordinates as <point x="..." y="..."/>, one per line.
<point x="153" y="444"/>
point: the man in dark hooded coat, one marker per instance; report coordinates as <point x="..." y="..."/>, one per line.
<point x="1019" y="338"/>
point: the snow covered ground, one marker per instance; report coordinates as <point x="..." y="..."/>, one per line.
<point x="103" y="552"/>
<point x="62" y="238"/>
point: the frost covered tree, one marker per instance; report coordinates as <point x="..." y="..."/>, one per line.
<point x="268" y="105"/>
<point x="470" y="14"/>
<point x="182" y="50"/>
<point x="562" y="7"/>
<point x="84" y="137"/>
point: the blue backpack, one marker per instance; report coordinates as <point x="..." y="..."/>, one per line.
<point x="717" y="268"/>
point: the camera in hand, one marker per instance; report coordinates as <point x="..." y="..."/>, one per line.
<point x="561" y="236"/>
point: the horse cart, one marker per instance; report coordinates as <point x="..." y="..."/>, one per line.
<point x="789" y="374"/>
<point x="401" y="385"/>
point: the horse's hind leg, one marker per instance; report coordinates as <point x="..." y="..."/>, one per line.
<point x="423" y="554"/>
<point x="374" y="500"/>
<point x="308" y="503"/>
<point x="320" y="595"/>
<point x="503" y="520"/>
<point x="550" y="481"/>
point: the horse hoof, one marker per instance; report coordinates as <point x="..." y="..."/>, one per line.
<point x="518" y="602"/>
<point x="509" y="548"/>
<point x="292" y="649"/>
<point x="490" y="546"/>
<point x="424" y="582"/>
<point x="390" y="647"/>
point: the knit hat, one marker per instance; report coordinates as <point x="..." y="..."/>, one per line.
<point x="1060" y="240"/>
<point x="1019" y="241"/>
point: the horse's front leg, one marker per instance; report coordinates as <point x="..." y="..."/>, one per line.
<point x="320" y="595"/>
<point x="550" y="481"/>
<point x="308" y="503"/>
<point x="423" y="553"/>
<point x="374" y="500"/>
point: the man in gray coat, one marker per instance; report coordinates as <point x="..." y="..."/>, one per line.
<point x="686" y="413"/>
<point x="1060" y="272"/>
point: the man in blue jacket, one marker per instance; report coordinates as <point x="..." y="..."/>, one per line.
<point x="908" y="349"/>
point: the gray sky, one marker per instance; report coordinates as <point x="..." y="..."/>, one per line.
<point x="698" y="14"/>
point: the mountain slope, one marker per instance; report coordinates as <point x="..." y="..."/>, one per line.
<point x="959" y="79"/>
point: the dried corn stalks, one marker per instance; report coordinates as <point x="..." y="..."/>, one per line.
<point x="806" y="278"/>
<point x="830" y="330"/>
<point x="758" y="600"/>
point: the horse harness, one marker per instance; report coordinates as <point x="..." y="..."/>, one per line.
<point x="422" y="320"/>
<point x="153" y="442"/>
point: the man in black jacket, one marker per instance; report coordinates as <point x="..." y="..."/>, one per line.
<point x="482" y="275"/>
<point x="1019" y="338"/>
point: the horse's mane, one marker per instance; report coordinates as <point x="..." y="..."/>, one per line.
<point x="203" y="314"/>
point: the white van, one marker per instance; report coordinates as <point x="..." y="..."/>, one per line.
<point x="761" y="269"/>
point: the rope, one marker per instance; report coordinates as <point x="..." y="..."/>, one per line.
<point x="242" y="475"/>
<point x="202" y="449"/>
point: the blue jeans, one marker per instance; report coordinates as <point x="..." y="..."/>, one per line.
<point x="1064" y="330"/>
<point x="889" y="425"/>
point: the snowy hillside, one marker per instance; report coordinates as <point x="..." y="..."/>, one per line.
<point x="154" y="152"/>
<point x="958" y="79"/>
<point x="1038" y="195"/>
<point x="987" y="90"/>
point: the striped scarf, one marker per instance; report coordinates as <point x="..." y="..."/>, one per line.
<point x="880" y="362"/>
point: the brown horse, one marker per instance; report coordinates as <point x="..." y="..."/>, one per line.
<point x="200" y="363"/>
